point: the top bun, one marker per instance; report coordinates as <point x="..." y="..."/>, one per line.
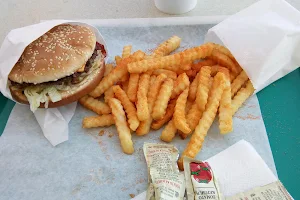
<point x="58" y="53"/>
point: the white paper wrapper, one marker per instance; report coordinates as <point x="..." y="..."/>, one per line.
<point x="53" y="121"/>
<point x="90" y="166"/>
<point x="264" y="38"/>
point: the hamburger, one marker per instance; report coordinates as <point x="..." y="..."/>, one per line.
<point x="58" y="68"/>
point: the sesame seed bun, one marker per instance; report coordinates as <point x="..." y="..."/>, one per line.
<point x="58" y="53"/>
<point x="75" y="92"/>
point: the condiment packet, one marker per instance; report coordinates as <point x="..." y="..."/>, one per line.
<point x="271" y="191"/>
<point x="201" y="182"/>
<point x="167" y="185"/>
<point x="159" y="157"/>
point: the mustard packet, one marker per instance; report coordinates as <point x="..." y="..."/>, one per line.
<point x="159" y="157"/>
<point x="168" y="185"/>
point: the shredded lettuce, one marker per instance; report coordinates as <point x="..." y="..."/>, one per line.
<point x="37" y="95"/>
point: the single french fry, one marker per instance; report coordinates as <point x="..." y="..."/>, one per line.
<point x="238" y="82"/>
<point x="181" y="83"/>
<point x="206" y="62"/>
<point x="242" y="95"/>
<point x="169" y="132"/>
<point x="108" y="94"/>
<point x="168" y="73"/>
<point x="95" y="105"/>
<point x="116" y="74"/>
<point x="98" y="121"/>
<point x="203" y="87"/>
<point x="129" y="107"/>
<point x="167" y="46"/>
<point x="197" y="139"/>
<point x="142" y="104"/>
<point x="225" y="111"/>
<point x="133" y="84"/>
<point x="191" y="73"/>
<point x="232" y="77"/>
<point x="126" y="51"/>
<point x="193" y="88"/>
<point x="193" y="117"/>
<point x="124" y="78"/>
<point x="108" y="69"/>
<point x="181" y="58"/>
<point x="155" y="83"/>
<point x="118" y="59"/>
<point x="179" y="113"/>
<point x="169" y="113"/>
<point x="121" y="124"/>
<point x="225" y="51"/>
<point x="225" y="61"/>
<point x="124" y="86"/>
<point x="161" y="102"/>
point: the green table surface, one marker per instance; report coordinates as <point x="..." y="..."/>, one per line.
<point x="280" y="107"/>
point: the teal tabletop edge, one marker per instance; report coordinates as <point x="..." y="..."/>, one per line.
<point x="280" y="107"/>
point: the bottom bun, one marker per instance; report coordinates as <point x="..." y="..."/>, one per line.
<point x="75" y="92"/>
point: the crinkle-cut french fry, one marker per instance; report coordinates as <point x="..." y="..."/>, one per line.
<point x="133" y="84"/>
<point x="116" y="74"/>
<point x="124" y="78"/>
<point x="191" y="73"/>
<point x="238" y="82"/>
<point x="108" y="68"/>
<point x="203" y="87"/>
<point x="225" y="61"/>
<point x="142" y="104"/>
<point x="206" y="62"/>
<point x="242" y="95"/>
<point x="197" y="139"/>
<point x="193" y="88"/>
<point x="124" y="86"/>
<point x="129" y="107"/>
<point x="161" y="102"/>
<point x="179" y="113"/>
<point x="193" y="116"/>
<point x="121" y="124"/>
<point x="95" y="105"/>
<point x="155" y="83"/>
<point x="118" y="59"/>
<point x="154" y="90"/>
<point x="167" y="46"/>
<point x="214" y="70"/>
<point x="169" y="114"/>
<point x="126" y="51"/>
<point x="188" y="106"/>
<point x="108" y="94"/>
<point x="225" y="51"/>
<point x="98" y="121"/>
<point x="169" y="132"/>
<point x="232" y="77"/>
<point x="225" y="111"/>
<point x="168" y="73"/>
<point x="166" y="62"/>
<point x="180" y="84"/>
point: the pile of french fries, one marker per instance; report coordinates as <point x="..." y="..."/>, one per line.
<point x="184" y="90"/>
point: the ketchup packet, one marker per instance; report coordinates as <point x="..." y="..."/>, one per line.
<point x="168" y="185"/>
<point x="200" y="180"/>
<point x="159" y="157"/>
